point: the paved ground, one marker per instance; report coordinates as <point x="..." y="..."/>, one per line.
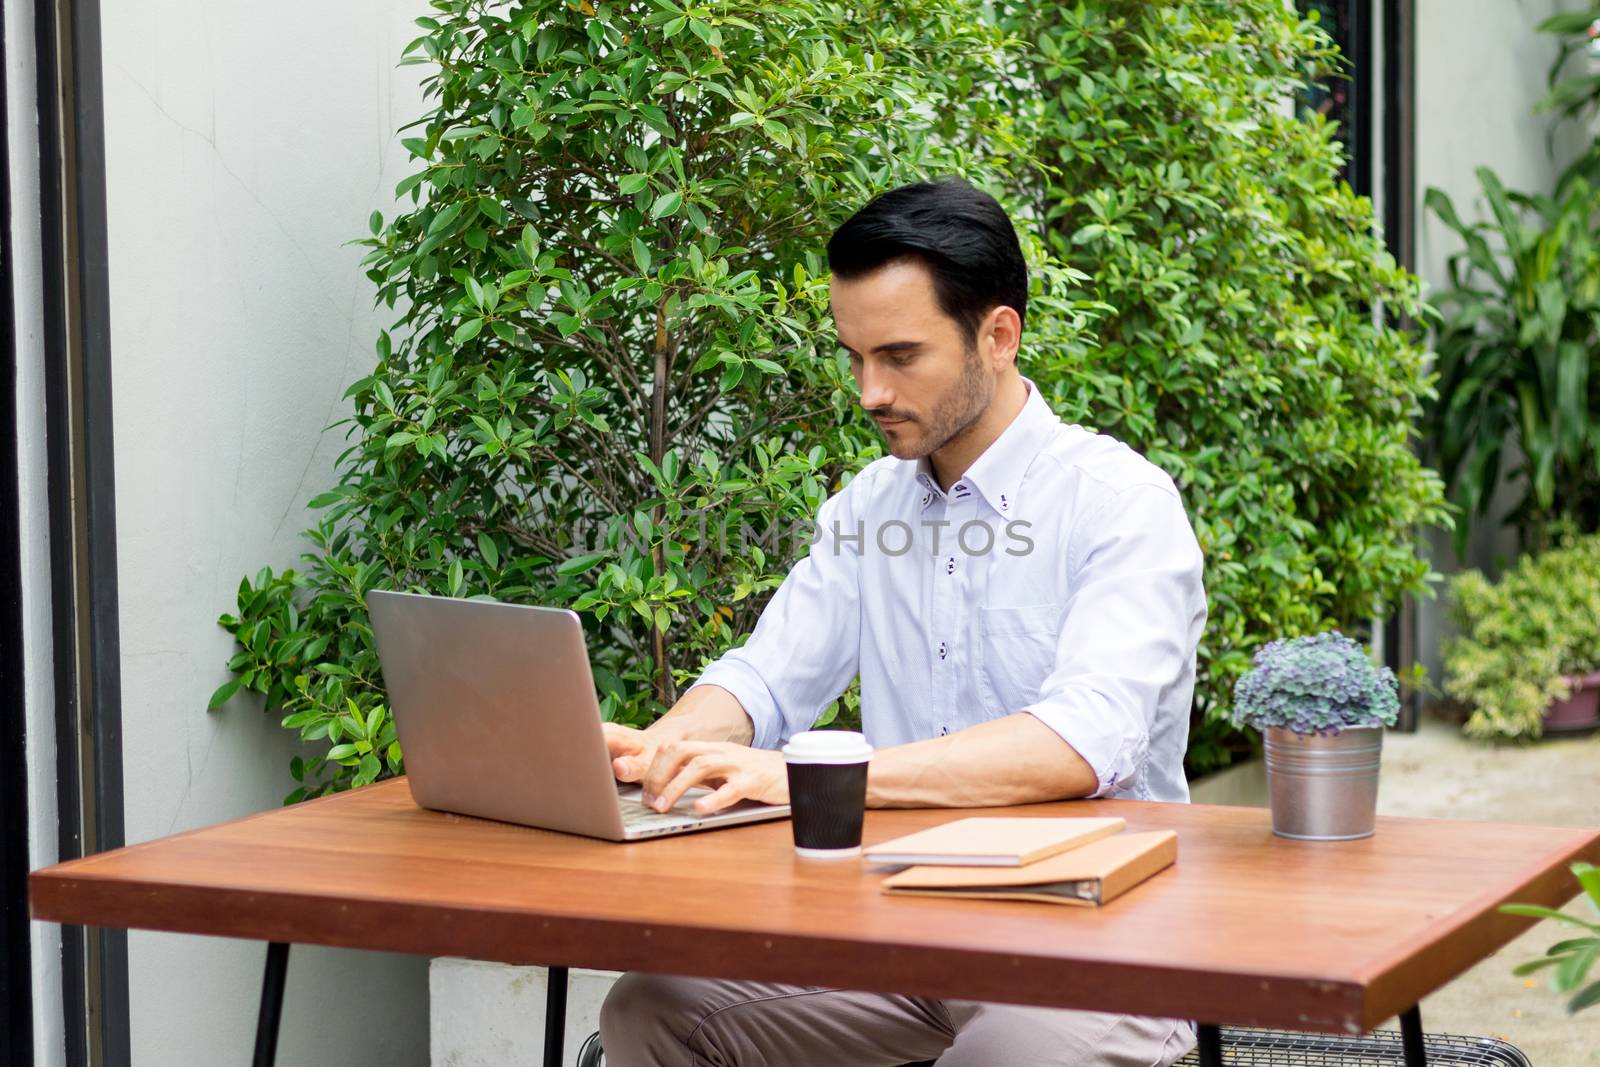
<point x="1434" y="773"/>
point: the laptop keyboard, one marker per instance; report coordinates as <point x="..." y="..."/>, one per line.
<point x="635" y="816"/>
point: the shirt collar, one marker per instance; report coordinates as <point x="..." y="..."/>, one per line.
<point x="997" y="473"/>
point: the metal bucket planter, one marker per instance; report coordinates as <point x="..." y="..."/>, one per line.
<point x="1324" y="787"/>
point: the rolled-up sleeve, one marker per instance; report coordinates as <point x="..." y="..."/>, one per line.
<point x="1135" y="610"/>
<point x="807" y="644"/>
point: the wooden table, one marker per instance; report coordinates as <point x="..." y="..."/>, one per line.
<point x="1246" y="929"/>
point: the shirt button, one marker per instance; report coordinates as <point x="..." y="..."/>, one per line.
<point x="942" y="649"/>
<point x="950" y="565"/>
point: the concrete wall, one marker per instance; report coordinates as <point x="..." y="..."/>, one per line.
<point x="493" y="1014"/>
<point x="245" y="145"/>
<point x="22" y="131"/>
<point x="1480" y="68"/>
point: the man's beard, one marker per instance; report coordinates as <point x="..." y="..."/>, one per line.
<point x="955" y="412"/>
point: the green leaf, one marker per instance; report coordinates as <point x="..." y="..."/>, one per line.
<point x="1536" y="911"/>
<point x="579" y="564"/>
<point x="467" y="331"/>
<point x="632" y="183"/>
<point x="488" y="550"/>
<point x="1588" y="997"/>
<point x="1531" y="966"/>
<point x="223" y="694"/>
<point x="1568" y="22"/>
<point x="666" y="204"/>
<point x="1575" y="967"/>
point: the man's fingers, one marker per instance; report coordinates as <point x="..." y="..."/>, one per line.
<point x="724" y="795"/>
<point x="622" y="740"/>
<point x="667" y="761"/>
<point x="698" y="770"/>
<point x="630" y="751"/>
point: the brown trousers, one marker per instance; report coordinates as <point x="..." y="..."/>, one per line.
<point x="658" y="1021"/>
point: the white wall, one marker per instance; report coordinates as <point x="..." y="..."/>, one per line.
<point x="1480" y="68"/>
<point x="245" y="144"/>
<point x="49" y="1040"/>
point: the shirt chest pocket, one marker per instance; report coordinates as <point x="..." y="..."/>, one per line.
<point x="1017" y="652"/>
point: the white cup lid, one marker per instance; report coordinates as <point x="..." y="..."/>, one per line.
<point x="827" y="746"/>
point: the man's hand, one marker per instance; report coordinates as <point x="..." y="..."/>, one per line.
<point x="733" y="773"/>
<point x="631" y="750"/>
<point x="702" y="741"/>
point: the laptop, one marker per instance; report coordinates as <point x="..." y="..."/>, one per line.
<point x="496" y="713"/>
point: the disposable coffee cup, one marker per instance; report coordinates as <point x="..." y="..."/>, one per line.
<point x="827" y="792"/>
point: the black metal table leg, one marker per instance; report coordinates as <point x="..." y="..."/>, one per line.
<point x="555" y="1015"/>
<point x="1416" y="1053"/>
<point x="1209" y="1036"/>
<point x="271" y="1004"/>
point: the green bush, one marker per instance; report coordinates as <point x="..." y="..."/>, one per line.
<point x="614" y="386"/>
<point x="1519" y="357"/>
<point x="1243" y="355"/>
<point x="614" y="350"/>
<point x="1521" y="638"/>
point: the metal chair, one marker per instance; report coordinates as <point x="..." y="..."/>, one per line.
<point x="1245" y="1047"/>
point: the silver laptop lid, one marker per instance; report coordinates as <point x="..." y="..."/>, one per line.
<point x="495" y="709"/>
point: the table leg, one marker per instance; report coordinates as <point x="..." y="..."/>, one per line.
<point x="271" y="1004"/>
<point x="1209" y="1036"/>
<point x="1416" y="1053"/>
<point x="555" y="1015"/>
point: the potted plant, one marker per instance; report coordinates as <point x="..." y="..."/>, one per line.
<point x="1516" y="343"/>
<point x="1526" y="658"/>
<point x="1572" y="957"/>
<point x="1321" y="705"/>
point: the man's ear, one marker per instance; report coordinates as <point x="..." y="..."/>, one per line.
<point x="1002" y="330"/>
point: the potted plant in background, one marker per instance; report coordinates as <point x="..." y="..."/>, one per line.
<point x="1527" y="658"/>
<point x="1519" y="359"/>
<point x="1321" y="705"/>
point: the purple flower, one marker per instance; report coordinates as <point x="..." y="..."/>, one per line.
<point x="1319" y="684"/>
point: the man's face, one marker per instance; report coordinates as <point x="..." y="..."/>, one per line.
<point x="919" y="380"/>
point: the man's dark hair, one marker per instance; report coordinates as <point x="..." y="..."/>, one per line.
<point x="959" y="232"/>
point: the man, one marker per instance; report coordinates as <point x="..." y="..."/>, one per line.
<point x="1022" y="601"/>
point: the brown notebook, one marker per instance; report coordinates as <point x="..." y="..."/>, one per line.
<point x="992" y="841"/>
<point x="1091" y="875"/>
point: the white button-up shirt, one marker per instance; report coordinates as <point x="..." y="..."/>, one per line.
<point x="1059" y="576"/>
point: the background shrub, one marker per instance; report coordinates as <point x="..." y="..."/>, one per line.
<point x="613" y="355"/>
<point x="1243" y="354"/>
<point x="1522" y="639"/>
<point x="613" y="384"/>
